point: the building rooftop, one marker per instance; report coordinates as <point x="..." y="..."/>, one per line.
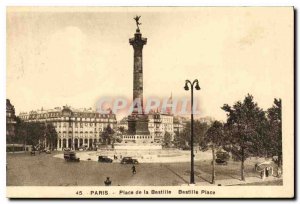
<point x="68" y="112"/>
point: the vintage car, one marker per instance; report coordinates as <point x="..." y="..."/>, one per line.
<point x="129" y="160"/>
<point x="221" y="161"/>
<point x="71" y="156"/>
<point x="104" y="159"/>
<point x="222" y="157"/>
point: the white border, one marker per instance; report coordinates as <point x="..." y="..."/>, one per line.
<point x="5" y="3"/>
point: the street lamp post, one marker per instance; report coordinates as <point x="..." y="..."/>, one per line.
<point x="197" y="87"/>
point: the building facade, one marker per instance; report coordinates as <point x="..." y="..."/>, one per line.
<point x="159" y="124"/>
<point x="123" y="123"/>
<point x="76" y="128"/>
<point x="10" y="122"/>
<point x="178" y="124"/>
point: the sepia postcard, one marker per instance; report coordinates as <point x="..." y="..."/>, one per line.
<point x="150" y="102"/>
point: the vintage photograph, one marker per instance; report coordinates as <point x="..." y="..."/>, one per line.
<point x="150" y="102"/>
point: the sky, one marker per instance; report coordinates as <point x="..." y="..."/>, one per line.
<point x="74" y="56"/>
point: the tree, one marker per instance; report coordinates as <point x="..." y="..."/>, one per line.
<point x="213" y="139"/>
<point x="184" y="137"/>
<point x="275" y="130"/>
<point x="200" y="130"/>
<point x="51" y="135"/>
<point x="33" y="133"/>
<point x="177" y="141"/>
<point x="167" y="139"/>
<point x="242" y="129"/>
<point x="121" y="129"/>
<point x="118" y="137"/>
<point x="20" y="130"/>
<point x="107" y="134"/>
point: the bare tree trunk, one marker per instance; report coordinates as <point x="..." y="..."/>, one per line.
<point x="213" y="175"/>
<point x="242" y="166"/>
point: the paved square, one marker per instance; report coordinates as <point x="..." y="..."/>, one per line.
<point x="46" y="170"/>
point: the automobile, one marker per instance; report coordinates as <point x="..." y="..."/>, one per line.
<point x="221" y="161"/>
<point x="71" y="156"/>
<point x="129" y="160"/>
<point x="83" y="147"/>
<point x="104" y="159"/>
<point x="222" y="157"/>
<point x="48" y="151"/>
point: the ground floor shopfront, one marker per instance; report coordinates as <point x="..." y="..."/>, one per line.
<point x="77" y="143"/>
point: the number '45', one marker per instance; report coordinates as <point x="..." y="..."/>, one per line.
<point x="78" y="192"/>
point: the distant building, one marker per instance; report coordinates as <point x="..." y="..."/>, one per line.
<point x="123" y="123"/>
<point x="159" y="124"/>
<point x="179" y="124"/>
<point x="10" y="122"/>
<point x="207" y="119"/>
<point x="78" y="127"/>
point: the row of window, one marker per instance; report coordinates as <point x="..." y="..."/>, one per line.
<point x="137" y="137"/>
<point x="70" y="132"/>
<point x="58" y="114"/>
<point x="79" y="136"/>
<point x="65" y="124"/>
<point x="80" y="129"/>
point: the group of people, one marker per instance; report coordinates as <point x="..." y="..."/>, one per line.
<point x="266" y="172"/>
<point x="116" y="157"/>
<point x="107" y="182"/>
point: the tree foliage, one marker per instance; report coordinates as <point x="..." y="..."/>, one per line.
<point x="213" y="139"/>
<point x="275" y="130"/>
<point x="167" y="139"/>
<point x="214" y="136"/>
<point x="107" y="135"/>
<point x="121" y="130"/>
<point x="183" y="139"/>
<point x="244" y="129"/>
<point x="51" y="135"/>
<point x="33" y="133"/>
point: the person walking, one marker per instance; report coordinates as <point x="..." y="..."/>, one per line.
<point x="279" y="172"/>
<point x="255" y="167"/>
<point x="133" y="169"/>
<point x="263" y="174"/>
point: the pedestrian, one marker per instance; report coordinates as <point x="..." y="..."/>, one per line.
<point x="262" y="174"/>
<point x="107" y="182"/>
<point x="133" y="169"/>
<point x="255" y="167"/>
<point x="279" y="172"/>
<point x="271" y="171"/>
